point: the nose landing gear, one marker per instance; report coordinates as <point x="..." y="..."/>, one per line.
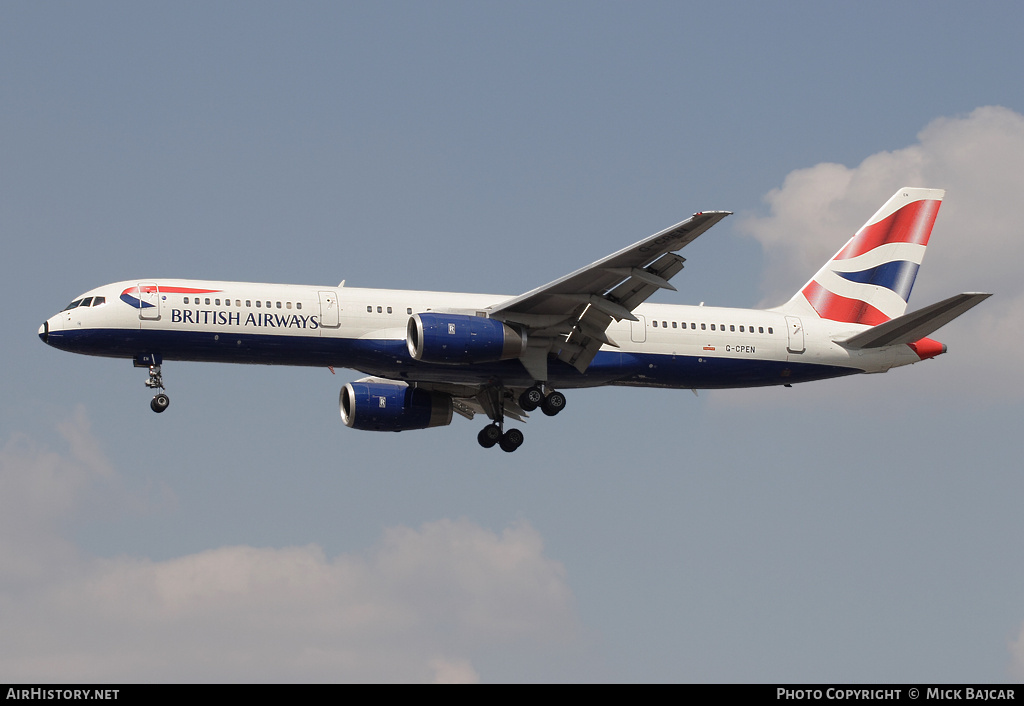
<point x="160" y="400"/>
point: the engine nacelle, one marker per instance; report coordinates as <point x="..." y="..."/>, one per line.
<point x="381" y="406"/>
<point x="455" y="338"/>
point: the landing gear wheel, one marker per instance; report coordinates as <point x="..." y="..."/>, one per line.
<point x="489" y="436"/>
<point x="159" y="403"/>
<point x="511" y="440"/>
<point x="531" y="399"/>
<point x="553" y="403"/>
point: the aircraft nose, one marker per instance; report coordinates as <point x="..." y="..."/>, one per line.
<point x="49" y="327"/>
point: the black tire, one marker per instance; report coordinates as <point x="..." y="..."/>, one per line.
<point x="512" y="440"/>
<point x="489" y="436"/>
<point x="531" y="399"/>
<point x="553" y="403"/>
<point x="159" y="403"/>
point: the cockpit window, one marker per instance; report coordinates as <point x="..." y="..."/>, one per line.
<point x="86" y="301"/>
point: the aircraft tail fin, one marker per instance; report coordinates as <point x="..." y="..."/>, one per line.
<point x="869" y="280"/>
<point x="910" y="328"/>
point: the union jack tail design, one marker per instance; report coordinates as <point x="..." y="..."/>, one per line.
<point x="869" y="280"/>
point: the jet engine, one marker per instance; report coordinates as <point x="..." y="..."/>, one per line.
<point x="382" y="406"/>
<point x="455" y="339"/>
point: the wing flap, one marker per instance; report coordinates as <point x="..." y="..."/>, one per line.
<point x="470" y="400"/>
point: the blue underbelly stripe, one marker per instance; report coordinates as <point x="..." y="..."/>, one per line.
<point x="390" y="358"/>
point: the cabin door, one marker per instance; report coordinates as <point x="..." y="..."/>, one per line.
<point x="638" y="329"/>
<point x="329" y="316"/>
<point x="148" y="294"/>
<point x="796" y="334"/>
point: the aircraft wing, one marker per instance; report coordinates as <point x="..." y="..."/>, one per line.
<point x="471" y="400"/>
<point x="571" y="315"/>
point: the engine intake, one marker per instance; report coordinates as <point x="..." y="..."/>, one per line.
<point x="381" y="406"/>
<point x="455" y="338"/>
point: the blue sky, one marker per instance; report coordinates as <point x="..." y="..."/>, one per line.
<point x="864" y="529"/>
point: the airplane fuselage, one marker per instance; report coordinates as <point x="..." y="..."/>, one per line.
<point x="673" y="346"/>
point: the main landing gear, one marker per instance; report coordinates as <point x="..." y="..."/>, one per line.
<point x="508" y="441"/>
<point x="156" y="382"/>
<point x="532" y="398"/>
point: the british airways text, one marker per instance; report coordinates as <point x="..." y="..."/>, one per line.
<point x="234" y="318"/>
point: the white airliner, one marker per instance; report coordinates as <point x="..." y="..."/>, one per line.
<point x="432" y="354"/>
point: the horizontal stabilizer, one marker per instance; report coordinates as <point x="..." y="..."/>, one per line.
<point x="915" y="325"/>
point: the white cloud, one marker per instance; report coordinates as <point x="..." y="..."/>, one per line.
<point x="415" y="607"/>
<point x="977" y="243"/>
<point x="453" y="672"/>
<point x="1016" y="648"/>
<point x="38" y="489"/>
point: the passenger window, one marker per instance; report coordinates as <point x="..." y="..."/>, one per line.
<point x="712" y="327"/>
<point x="760" y="329"/>
<point x="258" y="304"/>
<point x="409" y="311"/>
<point x="279" y="305"/>
<point x="369" y="310"/>
<point x="741" y="330"/>
<point x="217" y="302"/>
<point x="380" y="310"/>
<point x="703" y="327"/>
<point x="186" y="300"/>
<point x="664" y="324"/>
<point x="770" y="330"/>
<point x="693" y="326"/>
<point x="288" y="305"/>
<point x="389" y="309"/>
<point x="298" y="305"/>
<point x="732" y="327"/>
<point x="655" y="324"/>
<point x="674" y="324"/>
<point x="248" y="303"/>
